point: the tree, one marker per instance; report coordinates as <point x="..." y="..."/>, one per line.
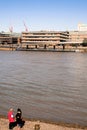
<point x="84" y="42"/>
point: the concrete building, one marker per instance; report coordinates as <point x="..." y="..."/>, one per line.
<point x="77" y="36"/>
<point x="5" y="38"/>
<point x="44" y="38"/>
<point x="9" y="38"/>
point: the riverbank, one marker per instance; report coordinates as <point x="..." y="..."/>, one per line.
<point x="79" y="49"/>
<point x="7" y="49"/>
<point x="31" y="125"/>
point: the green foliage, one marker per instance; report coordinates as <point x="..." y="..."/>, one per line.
<point x="84" y="42"/>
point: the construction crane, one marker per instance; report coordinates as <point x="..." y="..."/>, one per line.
<point x="11" y="29"/>
<point x="26" y="29"/>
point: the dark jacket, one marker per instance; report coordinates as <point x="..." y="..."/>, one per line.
<point x="19" y="116"/>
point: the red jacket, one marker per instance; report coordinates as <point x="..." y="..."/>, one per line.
<point x="10" y="116"/>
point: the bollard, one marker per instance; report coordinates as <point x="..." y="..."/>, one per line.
<point x="37" y="127"/>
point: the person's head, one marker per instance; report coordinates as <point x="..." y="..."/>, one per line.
<point x="18" y="110"/>
<point x="11" y="109"/>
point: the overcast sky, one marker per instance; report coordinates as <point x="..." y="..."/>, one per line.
<point x="57" y="15"/>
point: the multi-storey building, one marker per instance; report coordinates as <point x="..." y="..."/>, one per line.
<point x="44" y="37"/>
<point x="77" y="36"/>
<point x="8" y="38"/>
<point x="5" y="38"/>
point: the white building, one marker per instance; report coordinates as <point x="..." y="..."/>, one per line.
<point x="82" y="27"/>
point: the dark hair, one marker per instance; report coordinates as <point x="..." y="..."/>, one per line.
<point x="18" y="109"/>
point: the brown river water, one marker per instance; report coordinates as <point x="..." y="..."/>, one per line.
<point x="49" y="86"/>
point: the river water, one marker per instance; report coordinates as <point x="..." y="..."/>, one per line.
<point x="49" y="86"/>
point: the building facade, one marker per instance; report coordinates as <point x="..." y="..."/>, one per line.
<point x="5" y="38"/>
<point x="77" y="36"/>
<point x="8" y="38"/>
<point x="44" y="37"/>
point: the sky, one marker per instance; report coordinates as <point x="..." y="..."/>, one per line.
<point x="37" y="15"/>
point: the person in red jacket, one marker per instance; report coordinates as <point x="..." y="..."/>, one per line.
<point x="11" y="119"/>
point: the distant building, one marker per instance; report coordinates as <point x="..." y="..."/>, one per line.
<point x="77" y="36"/>
<point x="82" y="27"/>
<point x="8" y="38"/>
